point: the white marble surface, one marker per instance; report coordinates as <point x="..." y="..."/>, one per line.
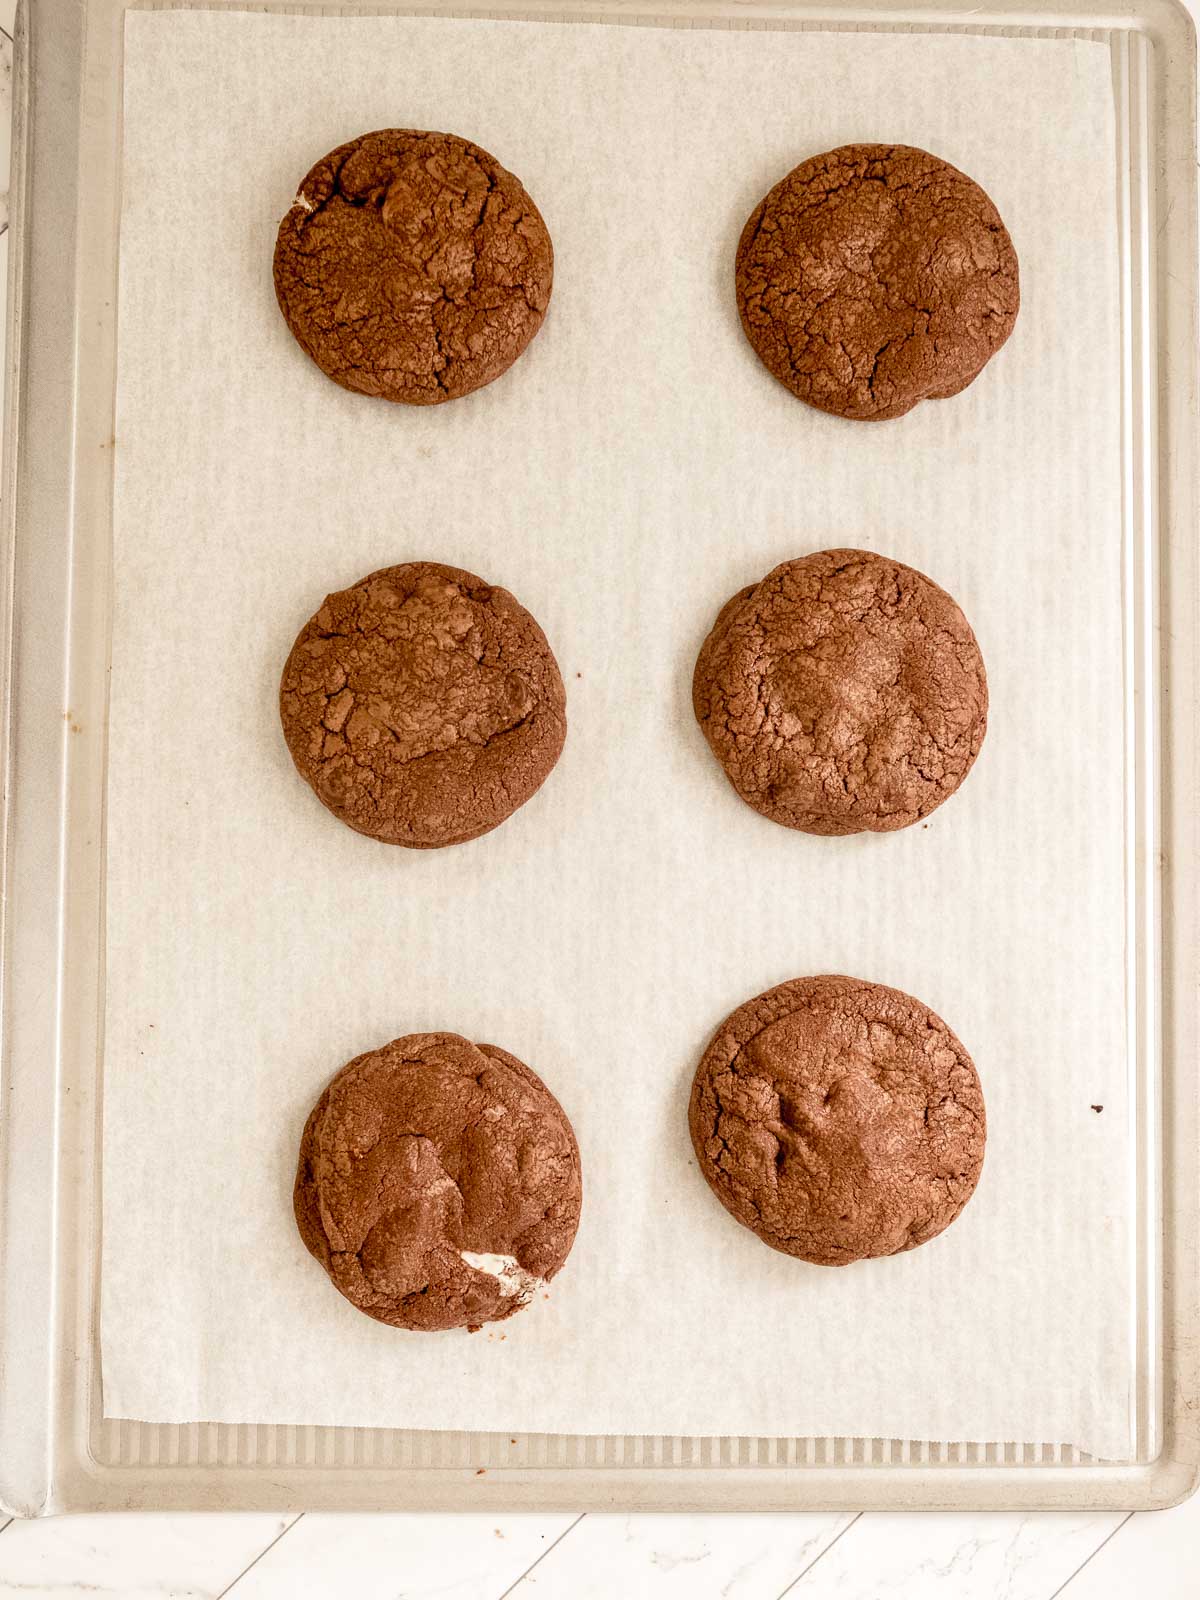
<point x="805" y="1557"/>
<point x="873" y="1557"/>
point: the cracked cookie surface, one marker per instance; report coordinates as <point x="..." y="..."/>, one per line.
<point x="876" y="276"/>
<point x="838" y="1119"/>
<point x="844" y="693"/>
<point x="422" y="705"/>
<point x="439" y="1183"/>
<point x="412" y="266"/>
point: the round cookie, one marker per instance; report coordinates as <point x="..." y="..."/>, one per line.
<point x="838" y="1120"/>
<point x="412" y="266"/>
<point x="876" y="276"/>
<point x="438" y="1184"/>
<point x="843" y="693"/>
<point x="422" y="705"/>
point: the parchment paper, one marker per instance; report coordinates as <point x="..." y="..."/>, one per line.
<point x="635" y="468"/>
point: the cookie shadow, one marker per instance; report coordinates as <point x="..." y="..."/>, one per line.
<point x="676" y="1136"/>
<point x="732" y="226"/>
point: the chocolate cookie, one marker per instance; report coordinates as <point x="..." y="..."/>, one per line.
<point x="843" y="693"/>
<point x="422" y="705"/>
<point x="439" y="1183"/>
<point x="413" y="266"/>
<point x="875" y="276"/>
<point x="838" y="1119"/>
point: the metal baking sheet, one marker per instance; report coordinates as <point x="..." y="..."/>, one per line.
<point x="57" y="1450"/>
